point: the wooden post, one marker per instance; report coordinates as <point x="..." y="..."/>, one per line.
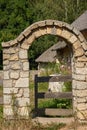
<point x="36" y="91"/>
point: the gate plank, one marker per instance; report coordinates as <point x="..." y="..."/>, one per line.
<point x="62" y="78"/>
<point x="67" y="95"/>
<point x="54" y="112"/>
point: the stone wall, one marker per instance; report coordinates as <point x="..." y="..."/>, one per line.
<point x="16" y="66"/>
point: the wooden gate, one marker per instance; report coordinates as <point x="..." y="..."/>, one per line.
<point x="55" y="95"/>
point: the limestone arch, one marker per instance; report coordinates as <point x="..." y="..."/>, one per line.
<point x="16" y="58"/>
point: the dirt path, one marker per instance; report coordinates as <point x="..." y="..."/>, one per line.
<point x="70" y="123"/>
<point x="44" y="120"/>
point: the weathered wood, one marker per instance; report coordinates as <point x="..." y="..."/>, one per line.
<point x="62" y="78"/>
<point x="60" y="95"/>
<point x="36" y="92"/>
<point x="54" y="112"/>
<point x="67" y="95"/>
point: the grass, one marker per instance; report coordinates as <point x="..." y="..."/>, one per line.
<point x="50" y="103"/>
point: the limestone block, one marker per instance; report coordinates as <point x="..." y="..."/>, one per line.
<point x="7" y="99"/>
<point x="81" y="93"/>
<point x="7" y="83"/>
<point x="26" y="66"/>
<point x="76" y="31"/>
<point x="6" y="56"/>
<point x="37" y="33"/>
<point x="41" y="23"/>
<point x="16" y="66"/>
<point x="49" y="22"/>
<point x="59" y="31"/>
<point x="6" y="67"/>
<point x="24" y="74"/>
<point x="24" y="111"/>
<point x="82" y="58"/>
<point x="26" y="32"/>
<point x="13" y="42"/>
<point x="72" y="39"/>
<point x="20" y="37"/>
<point x="14" y="75"/>
<point x="10" y="90"/>
<point x="12" y="50"/>
<point x="81" y="37"/>
<point x="14" y="57"/>
<point x="81" y="115"/>
<point x="77" y="44"/>
<point x="43" y="31"/>
<point x="79" y="77"/>
<point x="20" y="93"/>
<point x="84" y="45"/>
<point x="6" y="74"/>
<point x="25" y="45"/>
<point x="22" y="82"/>
<point x="7" y="111"/>
<point x="23" y="54"/>
<point x="5" y="62"/>
<point x="6" y="51"/>
<point x="79" y="52"/>
<point x="58" y="23"/>
<point x="49" y="30"/>
<point x="81" y="85"/>
<point x="81" y="100"/>
<point x="53" y="30"/>
<point x="23" y="102"/>
<point x="80" y="64"/>
<point x="74" y="84"/>
<point x="26" y="92"/>
<point x="66" y="34"/>
<point x="31" y="39"/>
<point x="81" y="71"/>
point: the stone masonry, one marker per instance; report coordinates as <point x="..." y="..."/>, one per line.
<point x="16" y="67"/>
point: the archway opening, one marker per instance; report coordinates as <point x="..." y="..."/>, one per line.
<point x="54" y="59"/>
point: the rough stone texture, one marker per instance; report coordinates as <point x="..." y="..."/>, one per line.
<point x="16" y="66"/>
<point x="79" y="77"/>
<point x="23" y="54"/>
<point x="5" y="62"/>
<point x="76" y="45"/>
<point x="14" y="75"/>
<point x="26" y="66"/>
<point x="24" y="74"/>
<point x="14" y="57"/>
<point x="79" y="52"/>
<point x="22" y="82"/>
<point x="6" y="56"/>
<point x="72" y="39"/>
<point x="8" y="112"/>
<point x="25" y="45"/>
<point x="6" y="74"/>
<point x="7" y="99"/>
<point x="10" y="90"/>
<point x="26" y="92"/>
<point x="31" y="39"/>
<point x="81" y="70"/>
<point x="7" y="83"/>
<point x="66" y="34"/>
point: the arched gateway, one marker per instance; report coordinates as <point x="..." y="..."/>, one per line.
<point x="16" y="67"/>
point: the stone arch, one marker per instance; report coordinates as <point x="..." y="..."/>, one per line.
<point x="16" y="65"/>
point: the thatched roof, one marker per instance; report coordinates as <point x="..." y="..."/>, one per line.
<point x="50" y="54"/>
<point x="81" y="22"/>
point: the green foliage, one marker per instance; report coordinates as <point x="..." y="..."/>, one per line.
<point x="17" y="15"/>
<point x="39" y="46"/>
<point x="55" y="103"/>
